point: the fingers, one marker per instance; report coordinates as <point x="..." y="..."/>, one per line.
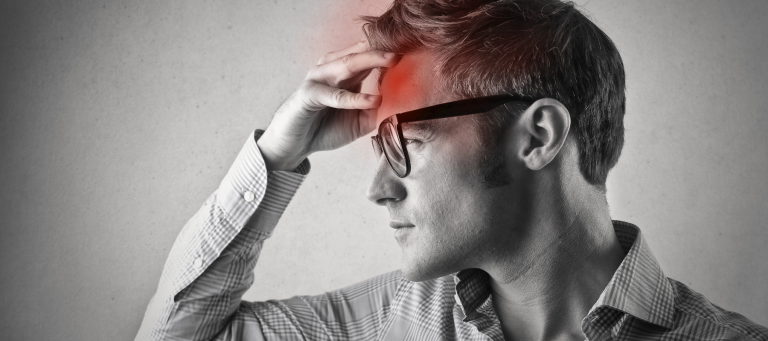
<point x="355" y="83"/>
<point x="337" y="78"/>
<point x="360" y="46"/>
<point x="350" y="65"/>
<point x="320" y="95"/>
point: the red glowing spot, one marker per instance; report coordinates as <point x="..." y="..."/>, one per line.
<point x="409" y="85"/>
<point x="397" y="77"/>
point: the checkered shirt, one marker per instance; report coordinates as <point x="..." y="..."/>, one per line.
<point x="211" y="265"/>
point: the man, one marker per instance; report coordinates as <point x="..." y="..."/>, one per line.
<point x="495" y="130"/>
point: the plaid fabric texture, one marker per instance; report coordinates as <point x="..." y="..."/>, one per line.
<point x="211" y="265"/>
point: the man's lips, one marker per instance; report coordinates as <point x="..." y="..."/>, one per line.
<point x="397" y="225"/>
<point x="401" y="230"/>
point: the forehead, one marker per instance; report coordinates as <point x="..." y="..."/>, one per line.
<point x="411" y="84"/>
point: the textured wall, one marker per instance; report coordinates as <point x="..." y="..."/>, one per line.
<point x="119" y="118"/>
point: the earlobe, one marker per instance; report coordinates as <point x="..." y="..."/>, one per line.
<point x="546" y="124"/>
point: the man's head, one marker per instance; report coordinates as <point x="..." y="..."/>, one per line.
<point x="463" y="182"/>
<point x="538" y="48"/>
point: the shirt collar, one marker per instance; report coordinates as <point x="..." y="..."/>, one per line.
<point x="472" y="291"/>
<point x="638" y="287"/>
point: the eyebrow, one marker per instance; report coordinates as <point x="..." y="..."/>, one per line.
<point x="421" y="127"/>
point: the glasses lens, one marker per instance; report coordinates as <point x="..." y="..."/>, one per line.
<point x="392" y="148"/>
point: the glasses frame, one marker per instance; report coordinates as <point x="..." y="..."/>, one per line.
<point x="451" y="109"/>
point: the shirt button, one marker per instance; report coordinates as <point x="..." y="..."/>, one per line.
<point x="198" y="263"/>
<point x="248" y="196"/>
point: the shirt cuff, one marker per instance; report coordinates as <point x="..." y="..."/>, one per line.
<point x="282" y="185"/>
<point x="248" y="186"/>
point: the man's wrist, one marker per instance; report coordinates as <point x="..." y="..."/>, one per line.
<point x="272" y="160"/>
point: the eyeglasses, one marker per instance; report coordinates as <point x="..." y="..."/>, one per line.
<point x="390" y="134"/>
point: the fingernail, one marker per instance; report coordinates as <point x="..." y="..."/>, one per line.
<point x="372" y="98"/>
<point x="389" y="55"/>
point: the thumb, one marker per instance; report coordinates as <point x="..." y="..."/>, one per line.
<point x="366" y="121"/>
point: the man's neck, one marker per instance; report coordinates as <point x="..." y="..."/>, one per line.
<point x="573" y="262"/>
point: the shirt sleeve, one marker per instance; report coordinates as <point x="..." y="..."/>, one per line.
<point x="210" y="265"/>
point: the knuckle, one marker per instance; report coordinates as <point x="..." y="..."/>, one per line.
<point x="304" y="89"/>
<point x="347" y="58"/>
<point x="338" y="96"/>
<point x="325" y="58"/>
<point x="336" y="81"/>
<point x="309" y="95"/>
<point x="312" y="73"/>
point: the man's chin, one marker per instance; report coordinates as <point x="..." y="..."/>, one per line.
<point x="414" y="277"/>
<point x="421" y="273"/>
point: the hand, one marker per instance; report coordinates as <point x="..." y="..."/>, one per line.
<point x="326" y="111"/>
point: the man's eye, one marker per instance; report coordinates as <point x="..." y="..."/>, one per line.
<point x="412" y="142"/>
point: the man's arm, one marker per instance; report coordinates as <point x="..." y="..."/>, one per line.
<point x="201" y="300"/>
<point x="211" y="263"/>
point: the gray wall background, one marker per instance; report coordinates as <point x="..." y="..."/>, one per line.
<point x="119" y="118"/>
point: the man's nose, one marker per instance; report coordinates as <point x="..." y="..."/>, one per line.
<point x="386" y="186"/>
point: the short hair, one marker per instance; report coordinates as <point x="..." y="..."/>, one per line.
<point x="536" y="48"/>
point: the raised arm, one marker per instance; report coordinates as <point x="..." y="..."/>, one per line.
<point x="211" y="263"/>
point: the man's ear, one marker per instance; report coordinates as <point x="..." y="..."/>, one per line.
<point x="544" y="127"/>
